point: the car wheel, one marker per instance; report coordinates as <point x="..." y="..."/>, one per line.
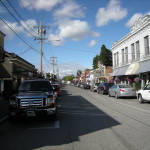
<point x="116" y="95"/>
<point x="109" y="94"/>
<point x="140" y="99"/>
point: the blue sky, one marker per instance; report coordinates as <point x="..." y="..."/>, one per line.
<point x="81" y="26"/>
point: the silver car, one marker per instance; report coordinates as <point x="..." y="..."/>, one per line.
<point x="122" y="90"/>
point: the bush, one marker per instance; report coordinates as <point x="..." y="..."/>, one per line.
<point x="137" y="86"/>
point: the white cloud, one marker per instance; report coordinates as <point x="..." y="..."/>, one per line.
<point x="29" y="24"/>
<point x="134" y="18"/>
<point x="17" y="28"/>
<point x="113" y="12"/>
<point x="47" y="5"/>
<point x="55" y="40"/>
<point x="69" y="9"/>
<point x="65" y="69"/>
<point x="76" y="30"/>
<point x="92" y="43"/>
<point x="69" y="68"/>
<point x="7" y="31"/>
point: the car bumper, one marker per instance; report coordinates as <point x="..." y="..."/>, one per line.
<point x="32" y="112"/>
<point x="127" y="95"/>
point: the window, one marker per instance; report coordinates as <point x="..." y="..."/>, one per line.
<point x="117" y="58"/>
<point x="126" y="54"/>
<point x="133" y="51"/>
<point x="146" y="43"/>
<point x="137" y="50"/>
<point x="122" y="55"/>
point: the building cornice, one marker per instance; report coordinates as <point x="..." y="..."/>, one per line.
<point x="138" y="26"/>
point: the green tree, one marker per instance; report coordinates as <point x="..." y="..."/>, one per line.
<point x="105" y="56"/>
<point x="79" y="72"/>
<point x="95" y="61"/>
<point x="69" y="78"/>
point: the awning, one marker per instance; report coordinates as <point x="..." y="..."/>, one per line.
<point x="144" y="67"/>
<point x="114" y="72"/>
<point x="119" y="71"/>
<point x="132" y="69"/>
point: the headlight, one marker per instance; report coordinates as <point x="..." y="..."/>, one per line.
<point x="50" y="100"/>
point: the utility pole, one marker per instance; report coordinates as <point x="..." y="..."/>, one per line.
<point x="41" y="31"/>
<point x="53" y="62"/>
<point x="57" y="72"/>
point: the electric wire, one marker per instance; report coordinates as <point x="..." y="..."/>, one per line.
<point x="19" y="15"/>
<point x="21" y="53"/>
<point x="16" y="18"/>
<point x="35" y="14"/>
<point x="18" y="35"/>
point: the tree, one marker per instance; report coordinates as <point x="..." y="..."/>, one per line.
<point x="79" y="72"/>
<point x="105" y="56"/>
<point x="69" y="78"/>
<point x="95" y="61"/>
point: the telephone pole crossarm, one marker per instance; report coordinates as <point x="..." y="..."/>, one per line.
<point x="41" y="31"/>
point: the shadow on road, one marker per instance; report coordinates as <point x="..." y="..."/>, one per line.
<point x="76" y="116"/>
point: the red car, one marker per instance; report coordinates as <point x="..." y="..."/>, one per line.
<point x="57" y="88"/>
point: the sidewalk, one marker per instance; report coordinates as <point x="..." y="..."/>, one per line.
<point x="4" y="109"/>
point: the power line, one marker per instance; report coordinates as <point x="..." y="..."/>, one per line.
<point x="18" y="35"/>
<point x="19" y="15"/>
<point x="76" y="49"/>
<point x="16" y="18"/>
<point x="25" y="51"/>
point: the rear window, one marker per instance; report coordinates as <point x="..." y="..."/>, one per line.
<point x="124" y="86"/>
<point x="110" y="84"/>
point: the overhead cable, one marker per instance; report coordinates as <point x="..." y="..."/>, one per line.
<point x="20" y="15"/>
<point x="18" y="35"/>
<point x="16" y="18"/>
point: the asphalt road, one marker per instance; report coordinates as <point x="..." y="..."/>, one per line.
<point x="86" y="121"/>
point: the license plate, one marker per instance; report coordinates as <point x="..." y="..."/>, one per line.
<point x="31" y="113"/>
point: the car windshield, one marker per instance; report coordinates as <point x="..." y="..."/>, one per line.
<point x="35" y="86"/>
<point x="109" y="84"/>
<point x="97" y="84"/>
<point x="125" y="86"/>
<point x="56" y="86"/>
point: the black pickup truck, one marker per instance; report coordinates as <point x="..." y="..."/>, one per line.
<point x="34" y="98"/>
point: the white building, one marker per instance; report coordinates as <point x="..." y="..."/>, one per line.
<point x="131" y="54"/>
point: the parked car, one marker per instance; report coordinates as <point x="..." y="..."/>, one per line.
<point x="104" y="87"/>
<point x="122" y="90"/>
<point x="86" y="86"/>
<point x="34" y="98"/>
<point x="57" y="88"/>
<point x="144" y="94"/>
<point x="94" y="87"/>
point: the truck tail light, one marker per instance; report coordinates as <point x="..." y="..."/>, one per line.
<point x="122" y="90"/>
